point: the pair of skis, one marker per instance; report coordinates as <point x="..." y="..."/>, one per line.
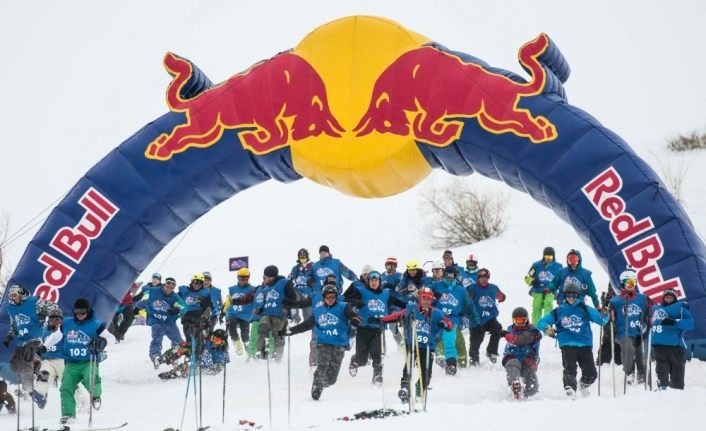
<point x="68" y="428"/>
<point x="412" y="361"/>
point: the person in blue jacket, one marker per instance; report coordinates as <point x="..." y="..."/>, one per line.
<point x="425" y="321"/>
<point x="390" y="280"/>
<point x="469" y="275"/>
<point x="303" y="281"/>
<point x="539" y="279"/>
<point x="575" y="273"/>
<point x="273" y="311"/>
<point x="26" y="314"/>
<point x="52" y="366"/>
<point x="629" y="311"/>
<point x="570" y="323"/>
<point x="670" y="319"/>
<point x="453" y="300"/>
<point x="486" y="297"/>
<point x="371" y="300"/>
<point x="239" y="316"/>
<point x="216" y="299"/>
<point x="329" y="320"/>
<point x="163" y="306"/>
<point x="212" y="358"/>
<point x="328" y="265"/>
<point x="197" y="311"/>
<point x="521" y="355"/>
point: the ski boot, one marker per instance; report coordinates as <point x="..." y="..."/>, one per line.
<point x="583" y="389"/>
<point x="39" y="399"/>
<point x="493" y="357"/>
<point x="353" y="368"/>
<point x="473" y="361"/>
<point x="65" y="420"/>
<point x="403" y="393"/>
<point x="640" y="378"/>
<point x="451" y="370"/>
<point x="96" y="403"/>
<point x="440" y="361"/>
<point x="570" y="392"/>
<point x="377" y="376"/>
<point x="238" y="345"/>
<point x="316" y="392"/>
<point x="630" y="379"/>
<point x="156" y="360"/>
<point x="516" y="387"/>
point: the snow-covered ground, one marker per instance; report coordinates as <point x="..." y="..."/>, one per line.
<point x="94" y="74"/>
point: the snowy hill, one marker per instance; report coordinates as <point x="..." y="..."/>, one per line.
<point x="105" y="82"/>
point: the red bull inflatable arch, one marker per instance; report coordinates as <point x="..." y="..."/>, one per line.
<point x="368" y="107"/>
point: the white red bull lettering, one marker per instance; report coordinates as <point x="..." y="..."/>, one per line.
<point x="643" y="255"/>
<point x="73" y="242"/>
<point x="572" y="323"/>
<point x="328" y="319"/>
<point x="376" y="305"/>
<point x="77" y="337"/>
<point x="22" y="319"/>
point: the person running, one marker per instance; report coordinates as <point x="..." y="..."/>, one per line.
<point x="195" y="318"/>
<point x="570" y="323"/>
<point x="273" y="312"/>
<point x="575" y="273"/>
<point x="521" y="355"/>
<point x="539" y="279"/>
<point x="326" y="265"/>
<point x="216" y="299"/>
<point x="239" y="316"/>
<point x="329" y="319"/>
<point x="670" y="319"/>
<point x="52" y="366"/>
<point x="303" y="281"/>
<point x="485" y="296"/>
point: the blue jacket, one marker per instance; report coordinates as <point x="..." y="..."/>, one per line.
<point x="453" y="300"/>
<point x="373" y="303"/>
<point x="216" y="301"/>
<point x="57" y="350"/>
<point x="273" y="304"/>
<point x="24" y="320"/>
<point x="78" y="336"/>
<point x="321" y="269"/>
<point x="426" y="327"/>
<point x="484" y="300"/>
<point x="637" y="306"/>
<point x="240" y="311"/>
<point x="544" y="273"/>
<point x="526" y="344"/>
<point x="211" y="356"/>
<point x="195" y="300"/>
<point x="300" y="276"/>
<point x="331" y="324"/>
<point x="581" y="277"/>
<point x="573" y="323"/>
<point x="157" y="305"/>
<point x="671" y="335"/>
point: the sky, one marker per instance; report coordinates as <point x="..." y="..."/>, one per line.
<point x="80" y="78"/>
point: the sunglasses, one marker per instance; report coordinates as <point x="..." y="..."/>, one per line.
<point x="483" y="276"/>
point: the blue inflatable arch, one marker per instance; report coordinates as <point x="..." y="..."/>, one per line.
<point x="395" y="103"/>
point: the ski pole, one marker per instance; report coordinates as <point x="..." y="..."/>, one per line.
<point x="223" y="408"/>
<point x="91" y="380"/>
<point x="289" y="382"/>
<point x="412" y="363"/>
<point x="269" y="385"/>
<point x="600" y="360"/>
<point x="19" y="397"/>
<point x="648" y="361"/>
<point x="200" y="396"/>
<point x="612" y="353"/>
<point x="624" y="351"/>
<point x="425" y="380"/>
<point x="382" y="363"/>
<point x="186" y="397"/>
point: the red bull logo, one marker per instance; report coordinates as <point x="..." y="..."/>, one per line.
<point x="275" y="102"/>
<point x="407" y="98"/>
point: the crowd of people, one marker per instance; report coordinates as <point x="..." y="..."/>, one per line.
<point x="425" y="313"/>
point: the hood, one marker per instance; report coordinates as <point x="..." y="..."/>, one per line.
<point x="577" y="253"/>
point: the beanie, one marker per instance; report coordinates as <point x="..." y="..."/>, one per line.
<point x="271" y="271"/>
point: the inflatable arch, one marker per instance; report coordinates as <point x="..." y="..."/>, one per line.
<point x="368" y="107"/>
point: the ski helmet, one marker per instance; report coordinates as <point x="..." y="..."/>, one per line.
<point x="413" y="264"/>
<point x="426" y="293"/>
<point x="243" y="272"/>
<point x="16" y="289"/>
<point x="303" y="253"/>
<point x="573" y="258"/>
<point x="520" y="317"/>
<point x="271" y="271"/>
<point x="472" y="258"/>
<point x="391" y="261"/>
<point x="329" y="288"/>
<point x="571" y="288"/>
<point x="197" y="277"/>
<point x="628" y="278"/>
<point x="366" y="269"/>
<point x="438" y="265"/>
<point x="373" y="275"/>
<point x="55" y="313"/>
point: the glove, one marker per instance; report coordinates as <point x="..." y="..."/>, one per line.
<point x="97" y="344"/>
<point x="355" y="320"/>
<point x="668" y="321"/>
<point x="374" y="320"/>
<point x="8" y="339"/>
<point x="284" y="332"/>
<point x="503" y="333"/>
<point x="510" y="338"/>
<point x="550" y="331"/>
<point x="535" y="282"/>
<point x="441" y="324"/>
<point x="41" y="350"/>
<point x="546" y="290"/>
<point x="221" y="317"/>
<point x="173" y="311"/>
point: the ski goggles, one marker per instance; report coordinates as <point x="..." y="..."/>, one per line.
<point x="630" y="282"/>
<point x="216" y="340"/>
<point x="548" y="257"/>
<point x="571" y="295"/>
<point x="520" y="321"/>
<point x="170" y="284"/>
<point x="483" y="275"/>
<point x="80" y="310"/>
<point x="373" y="275"/>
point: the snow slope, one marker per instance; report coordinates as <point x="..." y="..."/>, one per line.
<point x="94" y="83"/>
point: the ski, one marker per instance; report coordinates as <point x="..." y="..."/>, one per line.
<point x="68" y="428"/>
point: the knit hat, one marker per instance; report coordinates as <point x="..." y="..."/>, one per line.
<point x="324" y="248"/>
<point x="81" y="305"/>
<point x="448" y="253"/>
<point x="670" y="292"/>
<point x="207" y="274"/>
<point x="271" y="271"/>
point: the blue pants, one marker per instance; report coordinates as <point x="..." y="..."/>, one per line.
<point x="159" y="330"/>
<point x="449" y="339"/>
